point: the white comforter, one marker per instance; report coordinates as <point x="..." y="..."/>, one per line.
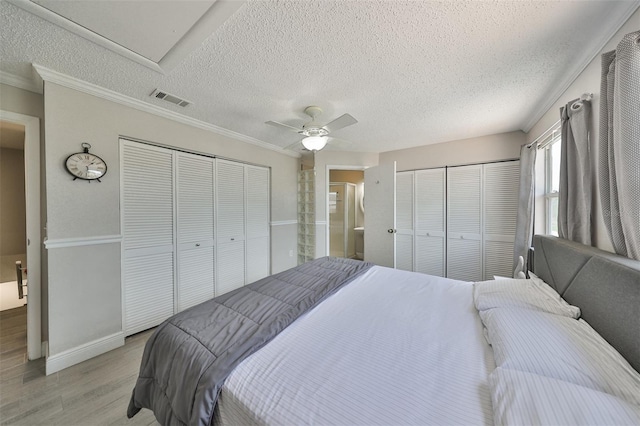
<point x="392" y="347"/>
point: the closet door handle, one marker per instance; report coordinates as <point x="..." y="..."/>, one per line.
<point x="197" y="244"/>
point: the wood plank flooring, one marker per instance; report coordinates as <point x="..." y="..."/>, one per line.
<point x="95" y="392"/>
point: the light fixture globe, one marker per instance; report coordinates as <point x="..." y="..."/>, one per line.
<point x="314" y="143"/>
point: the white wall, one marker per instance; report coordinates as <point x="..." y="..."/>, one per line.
<point x="587" y="82"/>
<point x="84" y="281"/>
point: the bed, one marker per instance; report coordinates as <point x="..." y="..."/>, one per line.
<point x="380" y="346"/>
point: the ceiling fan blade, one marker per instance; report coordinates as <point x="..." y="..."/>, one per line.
<point x="343" y="121"/>
<point x="282" y="125"/>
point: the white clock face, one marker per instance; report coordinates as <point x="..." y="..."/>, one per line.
<point x="86" y="166"/>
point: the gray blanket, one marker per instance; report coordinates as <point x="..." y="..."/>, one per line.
<point x="187" y="359"/>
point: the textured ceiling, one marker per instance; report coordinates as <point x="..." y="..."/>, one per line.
<point x="411" y="72"/>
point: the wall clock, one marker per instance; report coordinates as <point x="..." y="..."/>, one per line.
<point x="86" y="166"/>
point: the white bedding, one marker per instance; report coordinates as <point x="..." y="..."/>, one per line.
<point x="392" y="347"/>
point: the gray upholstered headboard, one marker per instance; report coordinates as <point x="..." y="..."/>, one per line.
<point x="605" y="286"/>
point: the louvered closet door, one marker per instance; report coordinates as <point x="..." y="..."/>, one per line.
<point x="195" y="222"/>
<point x="258" y="239"/>
<point x="147" y="227"/>
<point x="464" y="223"/>
<point x="404" y="221"/>
<point x="230" y="220"/>
<point x="430" y="221"/>
<point x="501" y="181"/>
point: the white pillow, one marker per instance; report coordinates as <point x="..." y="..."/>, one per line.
<point x="525" y="294"/>
<point x="561" y="348"/>
<point x="521" y="398"/>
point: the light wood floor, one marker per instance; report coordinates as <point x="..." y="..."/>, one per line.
<point x="95" y="392"/>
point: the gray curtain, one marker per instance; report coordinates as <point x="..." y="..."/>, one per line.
<point x="619" y="175"/>
<point x="524" y="220"/>
<point x="574" y="197"/>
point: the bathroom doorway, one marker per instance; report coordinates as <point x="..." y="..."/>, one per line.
<point x="20" y="231"/>
<point x="345" y="208"/>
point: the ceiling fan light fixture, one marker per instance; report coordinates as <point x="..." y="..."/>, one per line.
<point x="314" y="143"/>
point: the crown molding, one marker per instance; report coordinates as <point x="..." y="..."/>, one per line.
<point x="20" y="82"/>
<point x="208" y="24"/>
<point x="100" y="92"/>
<point x="587" y="57"/>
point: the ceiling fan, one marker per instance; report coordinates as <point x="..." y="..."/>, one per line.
<point x="314" y="132"/>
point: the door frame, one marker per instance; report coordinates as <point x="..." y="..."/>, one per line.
<point x="330" y="167"/>
<point x="34" y="255"/>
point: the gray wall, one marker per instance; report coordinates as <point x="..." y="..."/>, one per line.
<point x="587" y="82"/>
<point x="84" y="282"/>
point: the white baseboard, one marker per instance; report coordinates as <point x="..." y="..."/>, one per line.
<point x="84" y="352"/>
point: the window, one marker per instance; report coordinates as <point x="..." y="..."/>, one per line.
<point x="552" y="180"/>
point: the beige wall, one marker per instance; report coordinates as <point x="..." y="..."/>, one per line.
<point x="587" y="82"/>
<point x="483" y="149"/>
<point x="85" y="285"/>
<point x="13" y="225"/>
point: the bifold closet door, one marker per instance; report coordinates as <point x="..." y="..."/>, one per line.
<point x="230" y="225"/>
<point x="500" y="189"/>
<point x="404" y="220"/>
<point x="258" y="231"/>
<point x="431" y="222"/>
<point x="195" y="229"/>
<point x="148" y="232"/>
<point x="464" y="223"/>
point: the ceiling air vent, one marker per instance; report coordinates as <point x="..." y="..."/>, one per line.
<point x="170" y="98"/>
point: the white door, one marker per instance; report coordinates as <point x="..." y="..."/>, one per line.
<point x="501" y="185"/>
<point x="147" y="242"/>
<point x="380" y="214"/>
<point x="404" y="221"/>
<point x="230" y="225"/>
<point x="430" y="221"/>
<point x="464" y="223"/>
<point x="195" y="221"/>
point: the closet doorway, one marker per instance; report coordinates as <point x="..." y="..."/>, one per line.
<point x="345" y="212"/>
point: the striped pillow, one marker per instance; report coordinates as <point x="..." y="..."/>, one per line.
<point x="561" y="348"/>
<point x="521" y="398"/>
<point x="523" y="294"/>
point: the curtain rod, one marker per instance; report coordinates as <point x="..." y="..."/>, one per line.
<point x="584" y="97"/>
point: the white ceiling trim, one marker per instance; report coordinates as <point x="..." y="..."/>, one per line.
<point x="100" y="92"/>
<point x="81" y="31"/>
<point x="206" y="25"/>
<point x="590" y="52"/>
<point x="217" y="14"/>
<point x="20" y="82"/>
